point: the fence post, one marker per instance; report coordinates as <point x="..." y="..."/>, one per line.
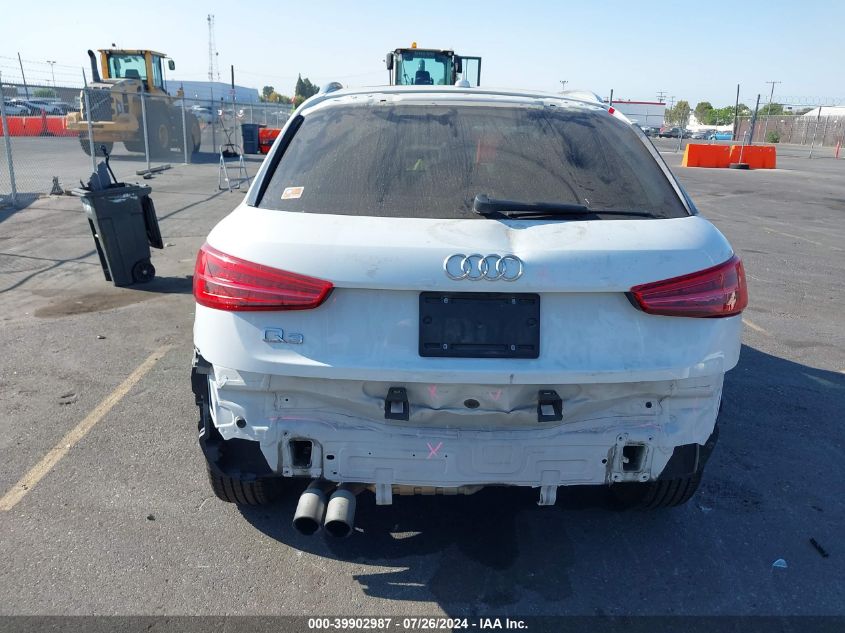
<point x="185" y="133"/>
<point x="824" y="131"/>
<point x="88" y="115"/>
<point x="815" y="129"/>
<point x="146" y="135"/>
<point x="7" y="137"/>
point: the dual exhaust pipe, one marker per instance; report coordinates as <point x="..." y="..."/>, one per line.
<point x="335" y="513"/>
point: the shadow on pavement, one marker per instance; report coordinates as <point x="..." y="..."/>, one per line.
<point x="497" y="546"/>
<point x="23" y="200"/>
<point x="167" y="285"/>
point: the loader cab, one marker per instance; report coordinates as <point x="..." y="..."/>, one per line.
<point x="430" y="67"/>
<point x="148" y="67"/>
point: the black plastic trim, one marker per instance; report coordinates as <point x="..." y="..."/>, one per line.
<point x="236" y="458"/>
<point x="397" y="394"/>
<point x="549" y="396"/>
<point x="269" y="168"/>
<point x="689" y="459"/>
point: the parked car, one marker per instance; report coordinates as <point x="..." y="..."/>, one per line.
<point x="673" y="132"/>
<point x="13" y="109"/>
<point x="720" y="136"/>
<point x="647" y="130"/>
<point x="409" y="301"/>
<point x="203" y="114"/>
<point x="48" y="106"/>
<point x="700" y="134"/>
<point x="29" y="109"/>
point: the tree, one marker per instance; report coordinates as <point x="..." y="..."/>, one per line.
<point x="703" y="112"/>
<point x="267" y="92"/>
<point x="679" y="114"/>
<point x="43" y="93"/>
<point x="304" y="88"/>
<point x="771" y="108"/>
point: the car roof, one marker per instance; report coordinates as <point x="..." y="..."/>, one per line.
<point x="452" y="94"/>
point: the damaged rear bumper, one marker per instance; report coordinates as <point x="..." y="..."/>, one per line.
<point x="253" y="426"/>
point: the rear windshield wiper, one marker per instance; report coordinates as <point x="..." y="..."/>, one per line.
<point x="492" y="207"/>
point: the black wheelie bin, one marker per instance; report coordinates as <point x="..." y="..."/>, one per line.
<point x="123" y="222"/>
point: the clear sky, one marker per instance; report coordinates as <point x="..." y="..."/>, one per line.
<point x="691" y="50"/>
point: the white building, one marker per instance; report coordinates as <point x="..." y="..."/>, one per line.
<point x="208" y="90"/>
<point x="644" y="113"/>
<point x="826" y="111"/>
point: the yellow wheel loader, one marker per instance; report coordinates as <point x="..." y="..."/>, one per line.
<point x="431" y="67"/>
<point x="116" y="114"/>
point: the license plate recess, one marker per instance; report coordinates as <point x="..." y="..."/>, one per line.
<point x="479" y="325"/>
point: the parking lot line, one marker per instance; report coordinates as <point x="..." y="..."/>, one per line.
<point x="755" y="327"/>
<point x="798" y="237"/>
<point x="37" y="472"/>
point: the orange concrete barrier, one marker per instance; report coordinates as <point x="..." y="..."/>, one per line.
<point x="37" y="126"/>
<point x="701" y="155"/>
<point x="757" y="156"/>
<point x="266" y="137"/>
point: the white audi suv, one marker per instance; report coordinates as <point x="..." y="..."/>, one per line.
<point x="436" y="289"/>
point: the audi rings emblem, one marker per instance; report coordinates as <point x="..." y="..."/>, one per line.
<point x="476" y="267"/>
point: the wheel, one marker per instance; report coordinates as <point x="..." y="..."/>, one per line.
<point x="86" y="146"/>
<point x="666" y="493"/>
<point x="246" y="493"/>
<point x="134" y="146"/>
<point x="143" y="271"/>
<point x="160" y="133"/>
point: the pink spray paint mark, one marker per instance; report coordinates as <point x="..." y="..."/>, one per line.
<point x="496" y="394"/>
<point x="432" y="391"/>
<point x="433" y="449"/>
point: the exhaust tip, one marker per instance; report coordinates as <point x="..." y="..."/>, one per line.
<point x="306" y="525"/>
<point x="338" y="529"/>
<point x="340" y="513"/>
<point x="310" y="510"/>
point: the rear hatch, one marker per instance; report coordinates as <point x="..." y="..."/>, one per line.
<point x="365" y="214"/>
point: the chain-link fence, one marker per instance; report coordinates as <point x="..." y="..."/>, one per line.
<point x="51" y="143"/>
<point x="815" y="129"/>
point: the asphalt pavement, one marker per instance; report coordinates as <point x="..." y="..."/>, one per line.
<point x="124" y="522"/>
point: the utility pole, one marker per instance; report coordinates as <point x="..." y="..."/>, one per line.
<point x="769" y="109"/>
<point x="736" y="114"/>
<point x="661" y="95"/>
<point x="563" y="83"/>
<point x="23" y="76"/>
<point x="53" y="71"/>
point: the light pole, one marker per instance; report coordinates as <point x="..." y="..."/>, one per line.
<point x="563" y="83"/>
<point x="53" y="71"/>
<point x="769" y="113"/>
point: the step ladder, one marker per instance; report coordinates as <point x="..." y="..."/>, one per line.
<point x="225" y="180"/>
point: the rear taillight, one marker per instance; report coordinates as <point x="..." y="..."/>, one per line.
<point x="225" y="282"/>
<point x="715" y="292"/>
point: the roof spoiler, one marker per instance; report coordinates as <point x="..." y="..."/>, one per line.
<point x="583" y="95"/>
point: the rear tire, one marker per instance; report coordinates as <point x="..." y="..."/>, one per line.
<point x="246" y="493"/>
<point x="667" y="493"/>
<point x="160" y="133"/>
<point x="135" y="146"/>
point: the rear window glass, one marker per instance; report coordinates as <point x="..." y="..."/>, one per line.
<point x="430" y="161"/>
